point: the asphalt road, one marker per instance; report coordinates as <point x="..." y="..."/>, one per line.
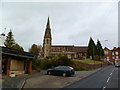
<point x="103" y="79"/>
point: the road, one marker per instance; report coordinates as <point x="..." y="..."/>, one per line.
<point x="105" y="78"/>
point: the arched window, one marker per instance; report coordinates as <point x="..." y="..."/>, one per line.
<point x="47" y="41"/>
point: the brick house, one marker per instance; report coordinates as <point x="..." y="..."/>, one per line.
<point x="115" y="53"/>
<point x="108" y="54"/>
<point x="111" y="55"/>
<point x="15" y="61"/>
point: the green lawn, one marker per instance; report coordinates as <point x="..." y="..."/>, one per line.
<point x="88" y="61"/>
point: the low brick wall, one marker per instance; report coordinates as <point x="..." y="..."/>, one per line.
<point x="92" y="66"/>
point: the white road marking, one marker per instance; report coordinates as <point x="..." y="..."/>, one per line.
<point x="111" y="73"/>
<point x="104" y="88"/>
<point x="108" y="79"/>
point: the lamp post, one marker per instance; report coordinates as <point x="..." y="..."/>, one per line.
<point x="100" y="51"/>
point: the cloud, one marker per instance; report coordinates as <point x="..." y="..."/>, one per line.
<point x="71" y="23"/>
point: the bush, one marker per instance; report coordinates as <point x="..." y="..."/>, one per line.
<point x="63" y="60"/>
<point x="36" y="64"/>
<point x="80" y="68"/>
<point x="59" y="60"/>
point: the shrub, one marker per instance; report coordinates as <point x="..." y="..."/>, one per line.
<point x="36" y="64"/>
<point x="59" y="60"/>
<point x="80" y="68"/>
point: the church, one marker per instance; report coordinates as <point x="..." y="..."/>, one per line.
<point x="71" y="51"/>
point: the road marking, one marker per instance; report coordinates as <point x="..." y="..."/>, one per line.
<point x="111" y="73"/>
<point x="104" y="88"/>
<point x="108" y="79"/>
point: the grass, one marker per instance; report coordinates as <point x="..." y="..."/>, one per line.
<point x="88" y="61"/>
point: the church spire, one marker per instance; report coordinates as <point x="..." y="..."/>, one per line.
<point x="48" y="30"/>
<point x="48" y="23"/>
<point x="47" y="40"/>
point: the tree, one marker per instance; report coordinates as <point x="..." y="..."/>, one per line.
<point x="100" y="51"/>
<point x="91" y="49"/>
<point x="10" y="42"/>
<point x="36" y="49"/>
<point x="17" y="47"/>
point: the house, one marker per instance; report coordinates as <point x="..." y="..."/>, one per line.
<point x="15" y="61"/>
<point x="70" y="51"/>
<point x="108" y="53"/>
<point x="115" y="53"/>
<point x="111" y="55"/>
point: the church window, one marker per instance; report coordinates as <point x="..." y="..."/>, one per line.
<point x="47" y="41"/>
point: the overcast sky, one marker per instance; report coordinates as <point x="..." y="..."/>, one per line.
<point x="71" y="23"/>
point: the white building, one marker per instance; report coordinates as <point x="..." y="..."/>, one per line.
<point x="2" y="39"/>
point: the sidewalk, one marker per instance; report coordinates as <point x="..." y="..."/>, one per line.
<point x="18" y="81"/>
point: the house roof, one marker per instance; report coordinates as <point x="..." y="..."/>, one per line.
<point x="16" y="53"/>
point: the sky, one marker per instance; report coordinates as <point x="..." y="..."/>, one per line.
<point x="72" y="23"/>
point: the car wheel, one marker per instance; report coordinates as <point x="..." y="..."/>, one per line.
<point x="49" y="73"/>
<point x="64" y="74"/>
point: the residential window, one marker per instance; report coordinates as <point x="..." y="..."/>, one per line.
<point x="116" y="53"/>
<point x="112" y="53"/>
<point x="106" y="52"/>
<point x="116" y="57"/>
<point x="113" y="57"/>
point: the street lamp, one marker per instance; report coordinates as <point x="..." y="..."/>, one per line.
<point x="100" y="51"/>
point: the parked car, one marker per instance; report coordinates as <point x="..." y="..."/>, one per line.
<point x="117" y="62"/>
<point x="61" y="70"/>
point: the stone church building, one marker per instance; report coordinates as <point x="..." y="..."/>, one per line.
<point x="70" y="51"/>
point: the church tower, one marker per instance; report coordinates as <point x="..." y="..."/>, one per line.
<point x="47" y="40"/>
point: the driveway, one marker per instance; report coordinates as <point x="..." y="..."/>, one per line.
<point x="51" y="81"/>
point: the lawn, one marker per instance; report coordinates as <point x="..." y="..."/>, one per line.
<point x="88" y="61"/>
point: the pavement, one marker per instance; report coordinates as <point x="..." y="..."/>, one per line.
<point x="19" y="81"/>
